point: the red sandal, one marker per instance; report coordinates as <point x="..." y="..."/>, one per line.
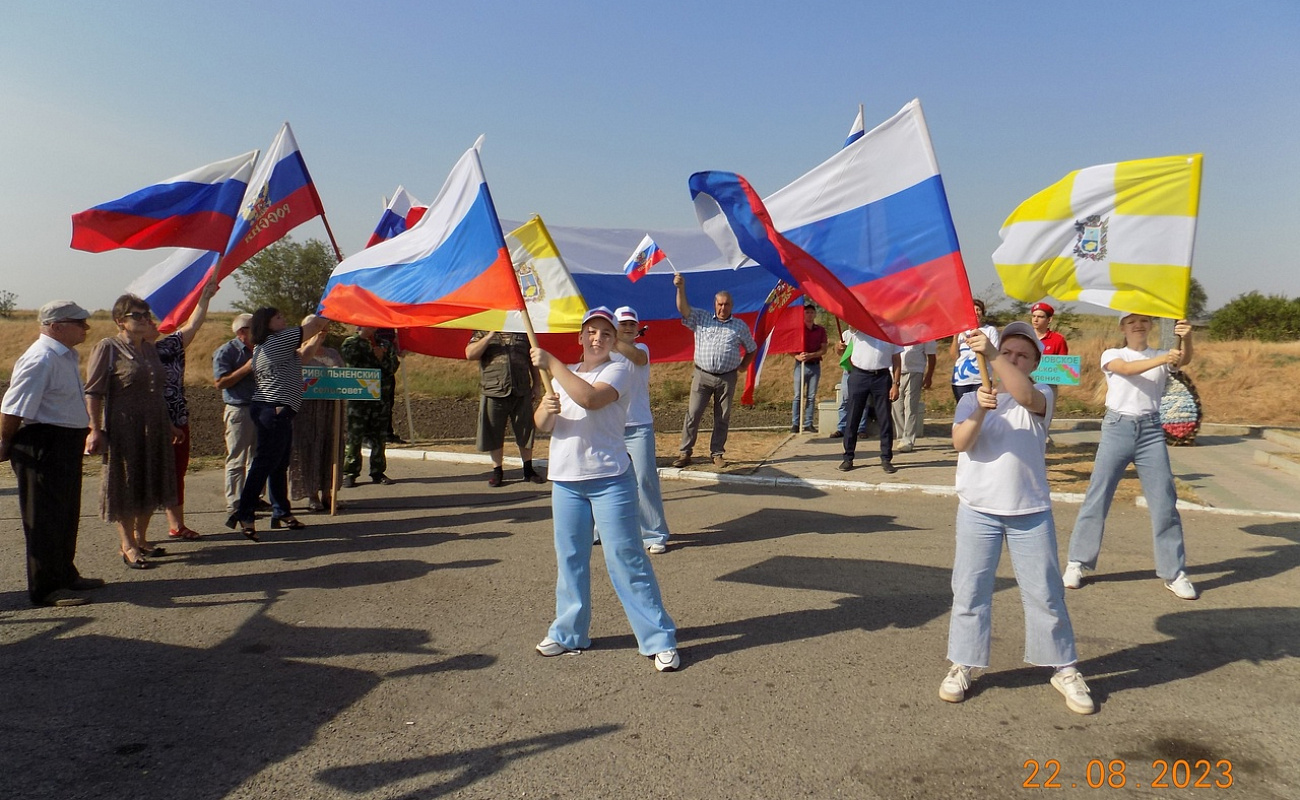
<point x="183" y="533"/>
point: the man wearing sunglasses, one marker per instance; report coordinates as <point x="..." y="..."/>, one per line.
<point x="43" y="429"/>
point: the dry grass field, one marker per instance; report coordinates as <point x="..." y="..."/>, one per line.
<point x="1239" y="382"/>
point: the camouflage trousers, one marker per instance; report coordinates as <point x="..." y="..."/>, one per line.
<point x="367" y="423"/>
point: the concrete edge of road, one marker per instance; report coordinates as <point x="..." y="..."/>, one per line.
<point x="787" y="482"/>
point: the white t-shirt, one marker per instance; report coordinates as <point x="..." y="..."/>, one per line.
<point x="869" y="352"/>
<point x="1004" y="471"/>
<point x="966" y="370"/>
<point x="1134" y="394"/>
<point x="638" y="411"/>
<point x="589" y="444"/>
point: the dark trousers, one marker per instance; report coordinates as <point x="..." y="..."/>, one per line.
<point x="869" y="388"/>
<point x="270" y="468"/>
<point x="47" y="461"/>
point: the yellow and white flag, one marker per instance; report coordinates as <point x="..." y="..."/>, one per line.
<point x="554" y="303"/>
<point x="1117" y="235"/>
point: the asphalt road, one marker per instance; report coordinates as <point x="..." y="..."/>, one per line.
<point x="388" y="653"/>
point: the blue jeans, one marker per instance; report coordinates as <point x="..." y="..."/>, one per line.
<point x="1031" y="540"/>
<point x="611" y="503"/>
<point x="812" y="375"/>
<point x="270" y="469"/>
<point x="1139" y="441"/>
<point x="844" y="406"/>
<point x="640" y="441"/>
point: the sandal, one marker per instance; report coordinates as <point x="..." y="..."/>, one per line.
<point x="138" y="563"/>
<point x="289" y="522"/>
<point x="183" y="532"/>
<point x="247" y="528"/>
<point x="152" y="552"/>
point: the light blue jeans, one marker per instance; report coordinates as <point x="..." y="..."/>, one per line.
<point x="1139" y="441"/>
<point x="640" y="441"/>
<point x="577" y="506"/>
<point x="1031" y="540"/>
<point x="812" y="375"/>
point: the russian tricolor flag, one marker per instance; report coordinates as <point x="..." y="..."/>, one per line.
<point x="873" y="218"/>
<point x="279" y="198"/>
<point x="397" y="217"/>
<point x="647" y="254"/>
<point x="451" y="264"/>
<point x="195" y="209"/>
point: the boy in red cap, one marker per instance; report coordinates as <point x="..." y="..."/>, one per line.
<point x="1040" y="316"/>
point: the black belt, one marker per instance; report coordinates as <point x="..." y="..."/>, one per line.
<point x="716" y="374"/>
<point x="872" y="371"/>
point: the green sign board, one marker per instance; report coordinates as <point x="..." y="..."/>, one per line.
<point x="1058" y="371"/>
<point x="340" y="383"/>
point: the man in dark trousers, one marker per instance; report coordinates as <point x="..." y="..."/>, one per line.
<point x="43" y="429"/>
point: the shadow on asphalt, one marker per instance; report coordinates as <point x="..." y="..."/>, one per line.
<point x="466" y="766"/>
<point x="136" y="717"/>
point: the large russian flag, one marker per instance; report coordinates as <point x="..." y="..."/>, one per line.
<point x="395" y="216"/>
<point x="875" y="215"/>
<point x="194" y="209"/>
<point x="451" y="264"/>
<point x="279" y="198"/>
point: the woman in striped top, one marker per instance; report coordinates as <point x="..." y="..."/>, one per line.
<point x="277" y="367"/>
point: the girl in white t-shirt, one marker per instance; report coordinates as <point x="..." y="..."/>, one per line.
<point x="1131" y="433"/>
<point x="1000" y="435"/>
<point x="592" y="484"/>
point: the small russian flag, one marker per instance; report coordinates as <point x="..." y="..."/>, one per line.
<point x="646" y="255"/>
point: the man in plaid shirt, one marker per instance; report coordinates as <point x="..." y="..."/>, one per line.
<point x="723" y="347"/>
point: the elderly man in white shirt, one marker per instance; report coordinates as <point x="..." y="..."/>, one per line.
<point x="43" y="429"/>
<point x="874" y="370"/>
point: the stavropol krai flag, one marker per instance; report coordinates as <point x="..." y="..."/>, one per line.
<point x="394" y="219"/>
<point x="195" y="209"/>
<point x="279" y="198"/>
<point x="552" y="298"/>
<point x="1116" y="235"/>
<point x="451" y="264"/>
<point x="646" y="255"/>
<point x="872" y="219"/>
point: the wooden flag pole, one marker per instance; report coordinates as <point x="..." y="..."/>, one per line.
<point x="532" y="341"/>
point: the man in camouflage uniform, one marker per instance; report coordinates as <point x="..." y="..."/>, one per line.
<point x="510" y="386"/>
<point x="367" y="419"/>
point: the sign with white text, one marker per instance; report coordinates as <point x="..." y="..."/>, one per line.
<point x="340" y="383"/>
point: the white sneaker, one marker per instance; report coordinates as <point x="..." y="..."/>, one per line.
<point x="668" y="660"/>
<point x="1070" y="683"/>
<point x="906" y="448"/>
<point x="1073" y="577"/>
<point x="1182" y="587"/>
<point x="549" y="647"/>
<point x="656" y="548"/>
<point x="954" y="686"/>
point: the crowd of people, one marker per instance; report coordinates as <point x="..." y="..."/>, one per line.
<point x="131" y="411"/>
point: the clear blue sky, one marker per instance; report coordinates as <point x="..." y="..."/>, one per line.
<point x="596" y="113"/>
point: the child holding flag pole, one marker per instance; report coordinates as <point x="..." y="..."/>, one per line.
<point x="1000" y="436"/>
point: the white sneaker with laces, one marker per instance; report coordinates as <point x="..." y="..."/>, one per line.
<point x="549" y="647"/>
<point x="667" y="661"/>
<point x="1073" y="577"/>
<point x="954" y="686"/>
<point x="1182" y="587"/>
<point x="1070" y="683"/>
<point x="656" y="548"/>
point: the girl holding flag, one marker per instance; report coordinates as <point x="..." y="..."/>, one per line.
<point x="592" y="483"/>
<point x="1000" y="436"/>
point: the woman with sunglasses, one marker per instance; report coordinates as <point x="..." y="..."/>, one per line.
<point x="129" y="425"/>
<point x="277" y="366"/>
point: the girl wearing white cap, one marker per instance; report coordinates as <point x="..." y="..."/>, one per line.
<point x="1000" y="436"/>
<point x="592" y="484"/>
<point x="639" y="433"/>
